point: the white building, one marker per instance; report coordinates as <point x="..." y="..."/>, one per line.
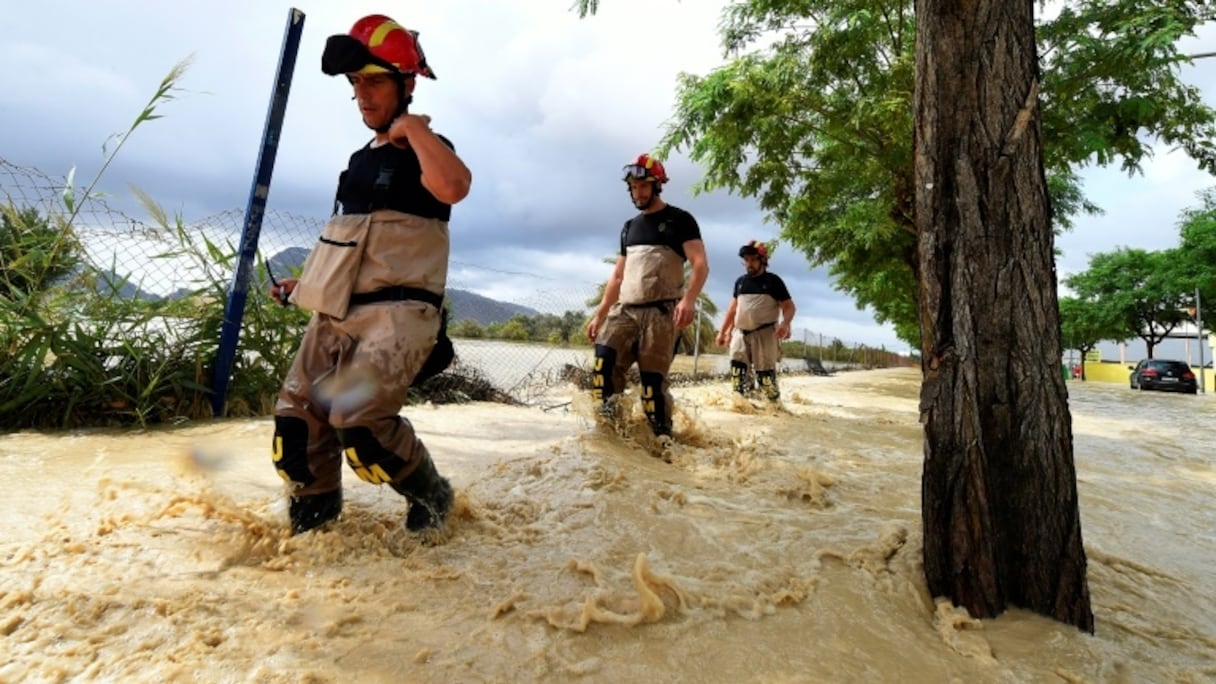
<point x="1182" y="344"/>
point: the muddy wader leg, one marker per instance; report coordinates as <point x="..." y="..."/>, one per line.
<point x="429" y="494"/>
<point x="603" y="373"/>
<point x="307" y="511"/>
<point x="654" y="404"/>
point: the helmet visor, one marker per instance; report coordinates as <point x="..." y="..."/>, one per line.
<point x="637" y="172"/>
<point x="346" y="55"/>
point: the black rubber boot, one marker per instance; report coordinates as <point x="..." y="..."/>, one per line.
<point x="602" y="387"/>
<point x="738" y="377"/>
<point x="654" y="404"/>
<point x="430" y="497"/>
<point x="768" y="383"/>
<point x="313" y="510"/>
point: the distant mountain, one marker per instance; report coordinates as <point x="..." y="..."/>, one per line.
<point x="464" y="305"/>
<point x="285" y="263"/>
<point x="467" y="305"/>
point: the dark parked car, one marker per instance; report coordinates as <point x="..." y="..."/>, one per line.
<point x="1161" y="374"/>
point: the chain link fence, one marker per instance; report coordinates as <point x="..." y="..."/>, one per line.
<point x="523" y="346"/>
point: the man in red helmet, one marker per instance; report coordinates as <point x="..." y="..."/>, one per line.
<point x="645" y="301"/>
<point x="375" y="282"/>
<point x="751" y="324"/>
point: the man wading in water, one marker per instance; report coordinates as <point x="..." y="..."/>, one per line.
<point x="751" y="324"/>
<point x="375" y="282"/>
<point x="645" y="301"/>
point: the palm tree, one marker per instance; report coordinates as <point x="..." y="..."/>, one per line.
<point x="598" y="297"/>
<point x="701" y="333"/>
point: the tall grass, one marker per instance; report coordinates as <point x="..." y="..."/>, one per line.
<point x="75" y="352"/>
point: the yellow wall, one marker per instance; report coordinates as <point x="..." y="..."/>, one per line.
<point x="1118" y="372"/>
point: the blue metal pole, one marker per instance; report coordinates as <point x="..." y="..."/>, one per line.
<point x="234" y="309"/>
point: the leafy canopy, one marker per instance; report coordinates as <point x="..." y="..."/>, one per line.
<point x="812" y="116"/>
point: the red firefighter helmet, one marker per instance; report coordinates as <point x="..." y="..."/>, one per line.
<point x="645" y="168"/>
<point x="375" y="43"/>
<point x="754" y="248"/>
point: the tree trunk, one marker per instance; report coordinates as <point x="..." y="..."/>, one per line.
<point x="999" y="492"/>
<point x="1150" y="343"/>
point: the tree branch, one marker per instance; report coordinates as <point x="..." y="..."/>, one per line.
<point x="1022" y="120"/>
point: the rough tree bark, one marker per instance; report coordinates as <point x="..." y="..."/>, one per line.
<point x="999" y="492"/>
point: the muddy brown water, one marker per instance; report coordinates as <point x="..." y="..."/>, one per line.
<point x="777" y="546"/>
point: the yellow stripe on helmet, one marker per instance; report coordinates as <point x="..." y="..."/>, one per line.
<point x="382" y="32"/>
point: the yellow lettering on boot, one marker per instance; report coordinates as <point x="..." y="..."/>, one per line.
<point x="373" y="474"/>
<point x="378" y="475"/>
<point x="277" y="455"/>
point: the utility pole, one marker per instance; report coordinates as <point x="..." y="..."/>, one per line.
<point x="1199" y="339"/>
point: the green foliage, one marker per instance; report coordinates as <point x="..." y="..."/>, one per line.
<point x="270" y="333"/>
<point x="1111" y="78"/>
<point x="816" y="122"/>
<point x="838" y="352"/>
<point x="1141" y="293"/>
<point x="586" y="7"/>
<point x="86" y="355"/>
<point x="1197" y="229"/>
<point x="1083" y="324"/>
<point x="544" y="328"/>
<point x="516" y="329"/>
<point x="467" y="328"/>
<point x="818" y="128"/>
<point x="34" y="252"/>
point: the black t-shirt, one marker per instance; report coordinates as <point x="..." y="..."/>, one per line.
<point x="764" y="284"/>
<point x="670" y="226"/>
<point x="388" y="177"/>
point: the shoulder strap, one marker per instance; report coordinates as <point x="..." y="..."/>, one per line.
<point x="338" y="191"/>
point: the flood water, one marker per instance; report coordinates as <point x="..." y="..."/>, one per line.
<point x="520" y="367"/>
<point x="777" y="546"/>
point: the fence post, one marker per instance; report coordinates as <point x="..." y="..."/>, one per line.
<point x="1199" y="341"/>
<point x="234" y="308"/>
<point x="696" y="340"/>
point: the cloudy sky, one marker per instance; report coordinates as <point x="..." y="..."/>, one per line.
<point x="545" y="109"/>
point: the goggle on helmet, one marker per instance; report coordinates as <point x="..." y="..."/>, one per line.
<point x="754" y="248"/>
<point x="375" y="44"/>
<point x="645" y="168"/>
